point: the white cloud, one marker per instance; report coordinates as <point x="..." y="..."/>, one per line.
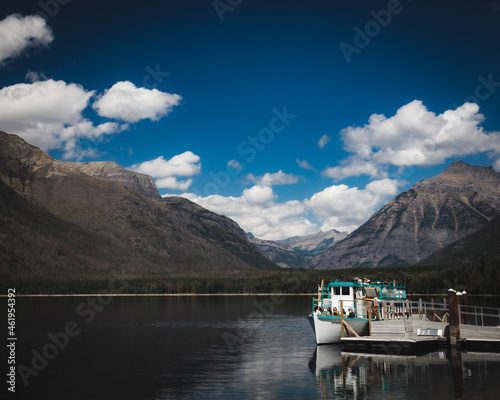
<point x="323" y="141"/>
<point x="127" y="102"/>
<point x="414" y="136"/>
<point x="343" y="208"/>
<point x="258" y="211"/>
<point x="272" y="179"/>
<point x="235" y="164"/>
<point x="262" y="195"/>
<point x="33" y="76"/>
<point x="496" y="166"/>
<point x="48" y="114"/>
<point x="353" y="166"/>
<point x="171" y="182"/>
<point x="17" y="33"/>
<point x="166" y="172"/>
<point x="304" y="164"/>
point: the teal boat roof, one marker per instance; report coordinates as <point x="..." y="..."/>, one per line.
<point x="368" y="284"/>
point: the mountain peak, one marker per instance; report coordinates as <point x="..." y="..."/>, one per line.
<point x="460" y="174"/>
<point x="457" y="166"/>
<point x="461" y="167"/>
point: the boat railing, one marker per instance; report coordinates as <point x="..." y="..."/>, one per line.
<point x="478" y="315"/>
<point x="439" y="312"/>
<point x="420" y="310"/>
<point x="327" y="303"/>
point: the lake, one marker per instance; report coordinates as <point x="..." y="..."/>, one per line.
<point x="216" y="347"/>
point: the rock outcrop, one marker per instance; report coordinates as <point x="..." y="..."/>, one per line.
<point x="141" y="183"/>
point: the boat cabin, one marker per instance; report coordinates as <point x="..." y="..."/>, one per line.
<point x="354" y="296"/>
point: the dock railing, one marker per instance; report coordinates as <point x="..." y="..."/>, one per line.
<point x="478" y="315"/>
<point x="420" y="310"/>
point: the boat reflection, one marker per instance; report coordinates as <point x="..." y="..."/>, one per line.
<point x="358" y="376"/>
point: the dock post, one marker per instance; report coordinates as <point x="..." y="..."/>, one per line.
<point x="432" y="310"/>
<point x="369" y="320"/>
<point x="341" y="318"/>
<point x="454" y="323"/>
<point x="459" y="303"/>
<point x="465" y="302"/>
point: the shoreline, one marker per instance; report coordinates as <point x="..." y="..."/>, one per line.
<point x="208" y="294"/>
<point x="162" y="294"/>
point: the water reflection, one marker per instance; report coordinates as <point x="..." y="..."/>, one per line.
<point x="201" y="347"/>
<point x="441" y="374"/>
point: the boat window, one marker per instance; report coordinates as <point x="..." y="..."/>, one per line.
<point x="370" y="292"/>
<point x="341" y="290"/>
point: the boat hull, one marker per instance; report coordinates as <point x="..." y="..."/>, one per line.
<point x="327" y="329"/>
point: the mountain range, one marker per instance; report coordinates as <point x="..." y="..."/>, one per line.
<point x="434" y="213"/>
<point x="62" y="219"/>
<point x="67" y="220"/>
<point x="297" y="251"/>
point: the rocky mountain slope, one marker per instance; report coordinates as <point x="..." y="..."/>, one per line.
<point x="297" y="251"/>
<point x="141" y="183"/>
<point x="483" y="243"/>
<point x="123" y="209"/>
<point x="432" y="214"/>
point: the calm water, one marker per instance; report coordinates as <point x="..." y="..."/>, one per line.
<point x="216" y="347"/>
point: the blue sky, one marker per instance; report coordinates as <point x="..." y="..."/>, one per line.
<point x="288" y="116"/>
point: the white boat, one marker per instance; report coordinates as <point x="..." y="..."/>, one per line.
<point x="345" y="308"/>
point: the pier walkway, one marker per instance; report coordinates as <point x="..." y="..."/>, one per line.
<point x="419" y="327"/>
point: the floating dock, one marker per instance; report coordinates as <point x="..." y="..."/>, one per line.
<point x="428" y="327"/>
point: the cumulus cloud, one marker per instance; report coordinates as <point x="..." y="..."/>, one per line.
<point x="304" y="164"/>
<point x="48" y="114"/>
<point x="346" y="208"/>
<point x="18" y="33"/>
<point x="414" y="136"/>
<point x="129" y="103"/>
<point x="276" y="178"/>
<point x="166" y="172"/>
<point x="171" y="182"/>
<point x="235" y="164"/>
<point x="33" y="76"/>
<point x="257" y="211"/>
<point x="353" y="166"/>
<point x="340" y="207"/>
<point x="323" y="141"/>
<point x="496" y="166"/>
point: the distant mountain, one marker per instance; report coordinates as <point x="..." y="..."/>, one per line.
<point x="432" y="214"/>
<point x="315" y="243"/>
<point x="297" y="251"/>
<point x="103" y="202"/>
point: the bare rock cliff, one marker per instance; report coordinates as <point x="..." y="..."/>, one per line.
<point x="22" y="163"/>
<point x="144" y="184"/>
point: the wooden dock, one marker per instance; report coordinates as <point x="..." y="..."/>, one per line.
<point x="399" y="337"/>
<point x="423" y="329"/>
